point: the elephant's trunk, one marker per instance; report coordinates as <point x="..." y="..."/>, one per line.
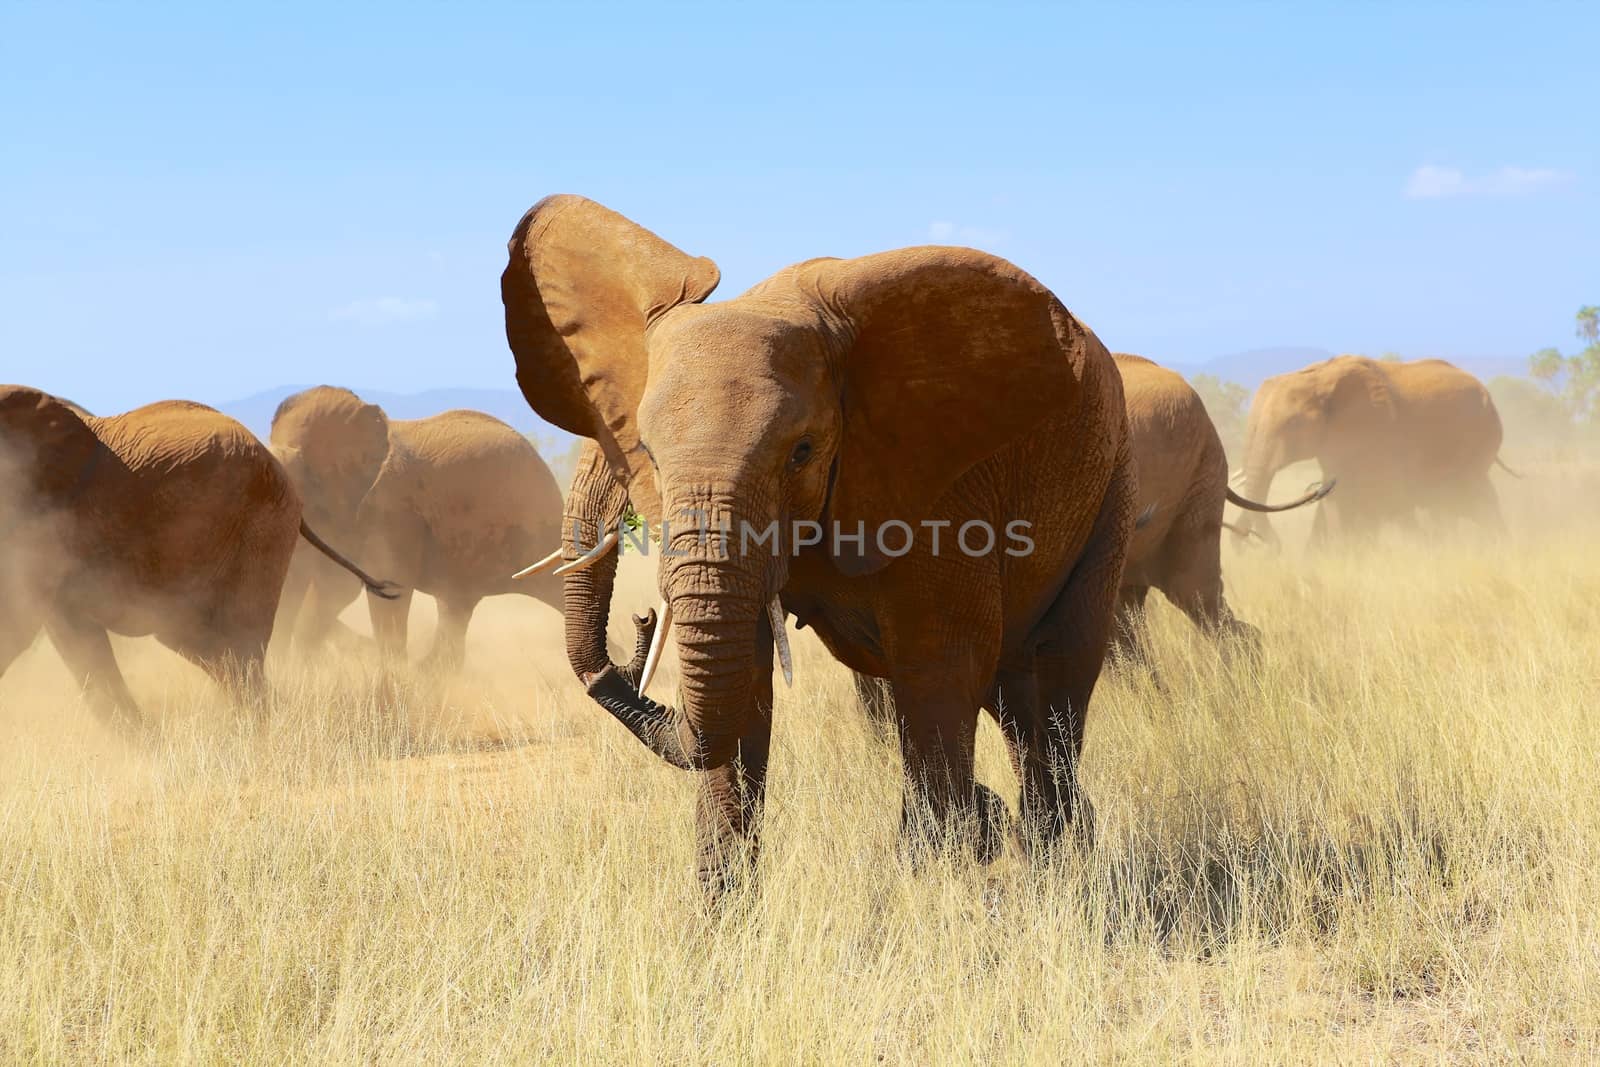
<point x="716" y="626"/>
<point x="594" y="505"/>
<point x="717" y="599"/>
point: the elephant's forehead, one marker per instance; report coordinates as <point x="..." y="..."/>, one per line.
<point x="729" y="339"/>
<point x="719" y="329"/>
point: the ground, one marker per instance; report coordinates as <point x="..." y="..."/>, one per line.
<point x="1381" y="842"/>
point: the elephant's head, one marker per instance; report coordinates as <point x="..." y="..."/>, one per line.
<point x="1320" y="412"/>
<point x="333" y="446"/>
<point x="852" y="393"/>
<point x="49" y="458"/>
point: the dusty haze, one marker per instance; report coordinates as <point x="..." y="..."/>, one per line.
<point x="1381" y="843"/>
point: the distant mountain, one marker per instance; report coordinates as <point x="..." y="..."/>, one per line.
<point x="505" y="404"/>
<point x="1251" y="368"/>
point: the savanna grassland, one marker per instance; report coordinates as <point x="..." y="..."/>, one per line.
<point x="1379" y="843"/>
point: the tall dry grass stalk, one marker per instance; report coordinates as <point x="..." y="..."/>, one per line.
<point x="1377" y="843"/>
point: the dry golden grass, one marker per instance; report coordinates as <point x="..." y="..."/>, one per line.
<point x="1381" y="844"/>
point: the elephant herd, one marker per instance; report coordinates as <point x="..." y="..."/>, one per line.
<point x="921" y="455"/>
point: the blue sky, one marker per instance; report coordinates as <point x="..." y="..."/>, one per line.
<point x="202" y="203"/>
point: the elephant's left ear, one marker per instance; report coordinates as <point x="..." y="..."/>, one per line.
<point x="955" y="355"/>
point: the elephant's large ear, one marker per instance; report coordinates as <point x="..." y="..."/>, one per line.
<point x="1361" y="397"/>
<point x="582" y="285"/>
<point x="956" y="354"/>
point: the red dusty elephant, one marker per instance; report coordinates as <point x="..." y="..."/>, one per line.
<point x="895" y="401"/>
<point x="171" y="520"/>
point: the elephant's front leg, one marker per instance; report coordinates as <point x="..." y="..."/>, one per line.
<point x="943" y="803"/>
<point x="731" y="799"/>
<point x="943" y="662"/>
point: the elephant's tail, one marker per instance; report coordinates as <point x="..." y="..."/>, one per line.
<point x="1317" y="492"/>
<point x="386" y="590"/>
<point x="1498" y="462"/>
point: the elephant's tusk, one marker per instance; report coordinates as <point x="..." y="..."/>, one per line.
<point x="543" y="565"/>
<point x="589" y="558"/>
<point x="1236" y="475"/>
<point x="657" y="643"/>
<point x="780" y="641"/>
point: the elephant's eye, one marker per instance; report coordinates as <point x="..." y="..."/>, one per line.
<point x="801" y="453"/>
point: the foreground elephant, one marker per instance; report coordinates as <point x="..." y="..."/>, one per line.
<point x="171" y="520"/>
<point x="1397" y="436"/>
<point x="1183" y="486"/>
<point x="896" y="397"/>
<point x="449" y="505"/>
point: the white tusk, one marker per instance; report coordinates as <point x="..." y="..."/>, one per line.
<point x="589" y="558"/>
<point x="780" y="641"/>
<point x="543" y="565"/>
<point x="657" y="643"/>
<point x="1236" y="475"/>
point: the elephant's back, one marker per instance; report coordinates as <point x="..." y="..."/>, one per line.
<point x="484" y="492"/>
<point x="213" y="510"/>
<point x="1451" y="413"/>
<point x="183" y="442"/>
<point x="474" y="445"/>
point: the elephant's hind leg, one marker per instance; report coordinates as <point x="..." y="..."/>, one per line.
<point x="233" y="655"/>
<point x="389" y="623"/>
<point x="86" y="650"/>
<point x="1129" y="637"/>
<point x="1193" y="583"/>
<point x="1480" y="505"/>
<point x="1070" y="647"/>
<point x="14" y="641"/>
<point x="450" y="638"/>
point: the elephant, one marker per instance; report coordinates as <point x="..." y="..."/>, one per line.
<point x="1183" y="486"/>
<point x="449" y="505"/>
<point x="851" y="411"/>
<point x="1397" y="436"/>
<point x="171" y="520"/>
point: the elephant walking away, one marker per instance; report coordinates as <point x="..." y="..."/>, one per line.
<point x="1397" y="436"/>
<point x="449" y="505"/>
<point x="894" y="401"/>
<point x="1183" y="485"/>
<point x="170" y="521"/>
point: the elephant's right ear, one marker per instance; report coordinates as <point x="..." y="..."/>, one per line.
<point x="582" y="285"/>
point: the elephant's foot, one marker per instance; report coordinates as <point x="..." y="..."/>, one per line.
<point x="726" y="873"/>
<point x="728" y="814"/>
<point x="977" y="830"/>
<point x="1238" y="638"/>
<point x="1047" y="826"/>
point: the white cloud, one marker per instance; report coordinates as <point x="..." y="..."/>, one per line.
<point x="951" y="233"/>
<point x="385" y="311"/>
<point x="1433" y="183"/>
